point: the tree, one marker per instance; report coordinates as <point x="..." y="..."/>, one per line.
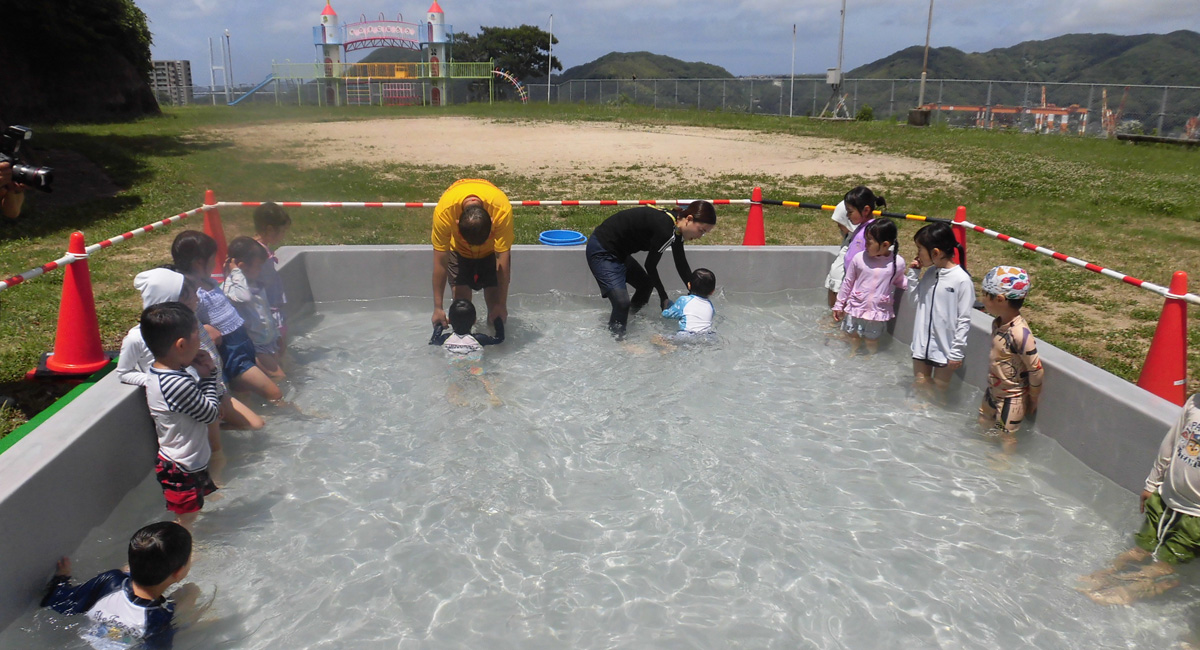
<point x="519" y="50"/>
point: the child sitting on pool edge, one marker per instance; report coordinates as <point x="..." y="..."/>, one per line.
<point x="465" y="348"/>
<point x="129" y="608"/>
<point x="694" y="311"/>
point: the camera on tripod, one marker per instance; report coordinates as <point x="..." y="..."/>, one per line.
<point x="10" y="152"/>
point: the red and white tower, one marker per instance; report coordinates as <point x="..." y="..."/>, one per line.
<point x="330" y="43"/>
<point x="437" y="53"/>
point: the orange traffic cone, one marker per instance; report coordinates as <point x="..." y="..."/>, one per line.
<point x="756" y="234"/>
<point x="77" y="348"/>
<point x="213" y="228"/>
<point x="1165" y="370"/>
<point x="960" y="235"/>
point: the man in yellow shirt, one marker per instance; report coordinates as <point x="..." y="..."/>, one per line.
<point x="472" y="237"/>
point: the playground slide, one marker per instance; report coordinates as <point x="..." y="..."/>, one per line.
<point x="269" y="79"/>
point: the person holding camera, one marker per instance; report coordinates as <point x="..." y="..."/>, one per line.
<point x="12" y="194"/>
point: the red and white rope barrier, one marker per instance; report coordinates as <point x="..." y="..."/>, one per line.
<point x="522" y="204"/>
<point x="69" y="258"/>
<point x="1149" y="286"/>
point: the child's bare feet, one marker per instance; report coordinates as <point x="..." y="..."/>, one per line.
<point x="1131" y="593"/>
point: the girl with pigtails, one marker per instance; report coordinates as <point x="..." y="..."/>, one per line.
<point x="865" y="301"/>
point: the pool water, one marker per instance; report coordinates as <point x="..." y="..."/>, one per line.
<point x="764" y="491"/>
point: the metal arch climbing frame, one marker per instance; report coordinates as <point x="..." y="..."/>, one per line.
<point x="522" y="92"/>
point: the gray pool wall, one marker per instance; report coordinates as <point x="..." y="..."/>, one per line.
<point x="66" y="477"/>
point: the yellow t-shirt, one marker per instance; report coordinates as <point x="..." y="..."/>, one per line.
<point x="449" y="209"/>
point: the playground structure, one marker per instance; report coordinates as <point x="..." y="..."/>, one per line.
<point x="1044" y="117"/>
<point x="340" y="83"/>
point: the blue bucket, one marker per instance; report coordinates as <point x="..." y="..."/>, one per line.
<point x="561" y="238"/>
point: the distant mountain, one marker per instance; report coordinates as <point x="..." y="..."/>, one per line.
<point x="645" y="65"/>
<point x="1150" y="59"/>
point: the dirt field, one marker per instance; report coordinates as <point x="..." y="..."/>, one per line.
<point x="578" y="149"/>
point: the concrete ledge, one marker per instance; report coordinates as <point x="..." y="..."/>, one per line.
<point x="65" y="477"/>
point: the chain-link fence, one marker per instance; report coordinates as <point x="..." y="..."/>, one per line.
<point x="1163" y="110"/>
<point x="1145" y="109"/>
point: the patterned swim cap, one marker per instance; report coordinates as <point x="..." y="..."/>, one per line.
<point x="1008" y="281"/>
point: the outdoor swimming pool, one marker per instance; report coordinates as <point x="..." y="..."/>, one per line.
<point x="763" y="492"/>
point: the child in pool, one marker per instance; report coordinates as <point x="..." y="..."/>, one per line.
<point x="865" y="302"/>
<point x="1014" y="368"/>
<point x="129" y="609"/>
<point x="271" y="224"/>
<point x="944" y="297"/>
<point x="464" y="348"/>
<point x="194" y="254"/>
<point x="1171" y="533"/>
<point x="858" y="207"/>
<point x="693" y="311"/>
<point x="242" y="285"/>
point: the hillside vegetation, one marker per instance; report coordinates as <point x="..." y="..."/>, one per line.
<point x="1150" y="59"/>
<point x="644" y="65"/>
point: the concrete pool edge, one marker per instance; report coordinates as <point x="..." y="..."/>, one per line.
<point x="63" y="479"/>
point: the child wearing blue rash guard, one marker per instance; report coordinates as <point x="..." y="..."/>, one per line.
<point x="694" y="311"/>
<point x="127" y="608"/>
<point x="464" y="348"/>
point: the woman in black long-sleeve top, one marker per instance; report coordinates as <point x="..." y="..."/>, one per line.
<point x="645" y="228"/>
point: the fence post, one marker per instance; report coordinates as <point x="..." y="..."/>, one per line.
<point x="755" y="234"/>
<point x="1162" y="112"/>
<point x="723" y="95"/>
<point x="960" y="233"/>
<point x="77" y="347"/>
<point x="1165" y="371"/>
<point x="892" y="101"/>
<point x="656" y="94"/>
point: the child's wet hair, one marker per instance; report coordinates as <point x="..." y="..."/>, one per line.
<point x="884" y="230"/>
<point x="191" y="247"/>
<point x="157" y="551"/>
<point x="462" y="316"/>
<point x="703" y="283"/>
<point x="163" y="324"/>
<point x="245" y="249"/>
<point x="939" y="235"/>
<point x="270" y="215"/>
<point x="862" y="197"/>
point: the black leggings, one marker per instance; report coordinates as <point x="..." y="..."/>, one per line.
<point x="622" y="304"/>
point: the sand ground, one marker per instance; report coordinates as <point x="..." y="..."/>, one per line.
<point x="579" y="149"/>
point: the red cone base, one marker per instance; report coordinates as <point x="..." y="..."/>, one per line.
<point x="756" y="234"/>
<point x="1165" y="370"/>
<point x="77" y="349"/>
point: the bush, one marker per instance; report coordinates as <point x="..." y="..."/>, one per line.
<point x="865" y="114"/>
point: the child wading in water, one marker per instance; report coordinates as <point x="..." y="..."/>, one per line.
<point x="944" y="298"/>
<point x="243" y="287"/>
<point x="693" y="311"/>
<point x="464" y="348"/>
<point x="865" y="301"/>
<point x="1171" y="533"/>
<point x="1014" y="368"/>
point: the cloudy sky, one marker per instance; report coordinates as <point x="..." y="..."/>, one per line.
<point x="745" y="37"/>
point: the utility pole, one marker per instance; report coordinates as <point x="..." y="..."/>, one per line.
<point x="792" y="89"/>
<point x="925" y="65"/>
<point x="550" y="59"/>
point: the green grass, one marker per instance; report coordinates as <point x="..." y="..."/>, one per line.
<point x="1132" y="208"/>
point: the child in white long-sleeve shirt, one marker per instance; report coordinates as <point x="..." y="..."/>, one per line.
<point x="1171" y="533"/>
<point x="944" y="297"/>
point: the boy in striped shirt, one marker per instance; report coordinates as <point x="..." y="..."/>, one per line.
<point x="181" y="391"/>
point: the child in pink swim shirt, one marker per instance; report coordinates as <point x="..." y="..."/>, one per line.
<point x="865" y="302"/>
